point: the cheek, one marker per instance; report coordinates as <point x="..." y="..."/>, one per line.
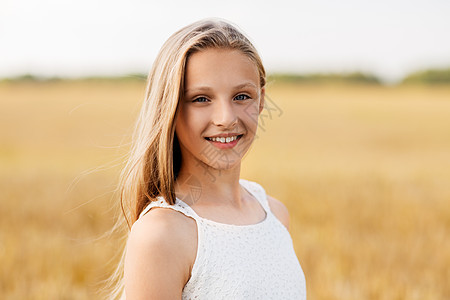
<point x="187" y="126"/>
<point x="250" y="115"/>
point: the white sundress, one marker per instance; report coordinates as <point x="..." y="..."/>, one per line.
<point x="255" y="261"/>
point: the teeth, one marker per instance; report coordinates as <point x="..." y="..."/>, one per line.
<point x="223" y="139"/>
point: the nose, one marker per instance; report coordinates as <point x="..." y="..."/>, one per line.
<point x="224" y="115"/>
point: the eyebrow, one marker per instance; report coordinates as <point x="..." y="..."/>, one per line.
<point x="237" y="87"/>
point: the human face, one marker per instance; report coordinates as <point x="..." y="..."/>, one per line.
<point x="222" y="98"/>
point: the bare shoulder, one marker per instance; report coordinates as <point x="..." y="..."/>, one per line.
<point x="279" y="210"/>
<point x="159" y="254"/>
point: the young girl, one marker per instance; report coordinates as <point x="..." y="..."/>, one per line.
<point x="198" y="231"/>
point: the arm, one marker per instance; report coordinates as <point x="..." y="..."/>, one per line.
<point x="154" y="267"/>
<point x="279" y="210"/>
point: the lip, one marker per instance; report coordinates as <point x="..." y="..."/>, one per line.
<point x="225" y="145"/>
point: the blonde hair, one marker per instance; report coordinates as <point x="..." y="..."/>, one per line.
<point x="155" y="157"/>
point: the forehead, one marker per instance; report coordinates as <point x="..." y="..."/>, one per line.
<point x="223" y="67"/>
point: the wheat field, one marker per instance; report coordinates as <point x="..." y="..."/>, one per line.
<point x="364" y="171"/>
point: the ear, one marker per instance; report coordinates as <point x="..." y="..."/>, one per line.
<point x="261" y="99"/>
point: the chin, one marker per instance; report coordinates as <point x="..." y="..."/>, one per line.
<point x="224" y="165"/>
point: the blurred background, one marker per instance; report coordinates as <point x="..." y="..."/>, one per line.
<point x="358" y="148"/>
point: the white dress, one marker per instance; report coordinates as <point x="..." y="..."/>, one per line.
<point x="255" y="261"/>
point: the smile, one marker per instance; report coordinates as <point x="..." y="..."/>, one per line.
<point x="224" y="139"/>
<point x="229" y="141"/>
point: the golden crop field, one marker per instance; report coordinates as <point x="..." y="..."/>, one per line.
<point x="363" y="170"/>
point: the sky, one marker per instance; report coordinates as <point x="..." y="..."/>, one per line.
<point x="387" y="38"/>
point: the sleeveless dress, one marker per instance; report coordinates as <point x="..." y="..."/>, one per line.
<point x="255" y="261"/>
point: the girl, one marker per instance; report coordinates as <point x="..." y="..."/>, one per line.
<point x="198" y="231"/>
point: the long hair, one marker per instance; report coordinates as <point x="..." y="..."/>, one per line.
<point x="155" y="157"/>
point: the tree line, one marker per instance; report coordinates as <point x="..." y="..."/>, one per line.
<point x="425" y="77"/>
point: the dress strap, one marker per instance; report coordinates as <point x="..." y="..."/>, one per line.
<point x="161" y="202"/>
<point x="256" y="190"/>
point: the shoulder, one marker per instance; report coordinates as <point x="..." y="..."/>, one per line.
<point x="279" y="210"/>
<point x="153" y="254"/>
<point x="160" y="224"/>
<point x="276" y="206"/>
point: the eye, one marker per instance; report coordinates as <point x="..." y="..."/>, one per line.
<point x="200" y="99"/>
<point x="242" y="97"/>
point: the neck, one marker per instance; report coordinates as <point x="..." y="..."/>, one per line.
<point x="200" y="184"/>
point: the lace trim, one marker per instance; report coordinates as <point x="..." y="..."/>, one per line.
<point x="160" y="202"/>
